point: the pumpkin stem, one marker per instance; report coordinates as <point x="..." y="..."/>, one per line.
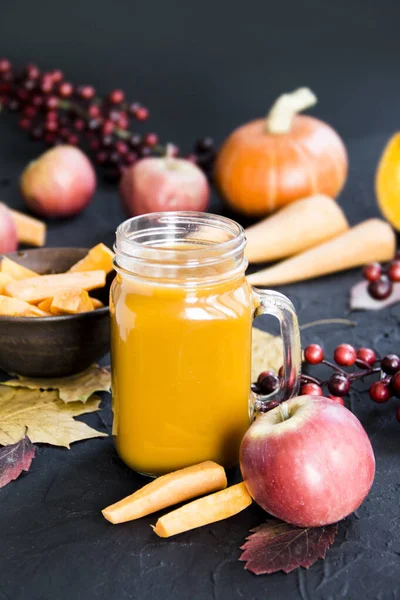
<point x="280" y="117"/>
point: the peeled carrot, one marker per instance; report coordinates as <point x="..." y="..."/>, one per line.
<point x="296" y="227"/>
<point x="203" y="511"/>
<point x="99" y="257"/>
<point x="372" y="240"/>
<point x="29" y="230"/>
<point x="36" y="289"/>
<point x="15" y="270"/>
<point x="12" y="307"/>
<point x="168" y="490"/>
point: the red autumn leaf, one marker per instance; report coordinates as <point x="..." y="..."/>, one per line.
<point x="14" y="459"/>
<point x="277" y="546"/>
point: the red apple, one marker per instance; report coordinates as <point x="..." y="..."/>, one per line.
<point x="308" y="462"/>
<point x="8" y="230"/>
<point x="60" y="183"/>
<point x="164" y="184"/>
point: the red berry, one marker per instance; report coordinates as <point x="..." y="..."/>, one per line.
<point x="32" y="72"/>
<point x="107" y="127"/>
<point x="135" y="140"/>
<point x="269" y="384"/>
<point x="380" y="289"/>
<point x="51" y="102"/>
<point x="151" y="139"/>
<point x="51" y="126"/>
<point x="390" y="364"/>
<point x="94" y="144"/>
<point x="50" y="138"/>
<point x="101" y="158"/>
<point x="142" y="113"/>
<point x="121" y="147"/>
<point x="72" y="139"/>
<point x="313" y="354"/>
<point x="46" y="85"/>
<point x="367" y="355"/>
<point x="5" y="65"/>
<point x="337" y="399"/>
<point x="345" y="355"/>
<point x="116" y="97"/>
<point x="29" y="111"/>
<point x="37" y="100"/>
<point x="311" y="389"/>
<point x="94" y="111"/>
<point x="264" y="374"/>
<point x="130" y="158"/>
<point x="52" y="115"/>
<point x="372" y="272"/>
<point x="123" y="122"/>
<point x="65" y="89"/>
<point x="79" y="124"/>
<point x="338" y="385"/>
<point x="57" y="76"/>
<point x="379" y="392"/>
<point x="87" y="92"/>
<point x="145" y="151"/>
<point x="394" y="271"/>
<point x="24" y="123"/>
<point x="398" y="413"/>
<point x="395" y="384"/>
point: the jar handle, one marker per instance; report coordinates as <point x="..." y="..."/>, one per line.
<point x="276" y="304"/>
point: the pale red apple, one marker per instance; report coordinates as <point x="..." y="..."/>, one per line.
<point x="8" y="230"/>
<point x="60" y="183"/>
<point x="308" y="462"/>
<point x="164" y="184"/>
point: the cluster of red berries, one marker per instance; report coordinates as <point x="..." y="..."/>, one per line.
<point x="57" y="112"/>
<point x="380" y="279"/>
<point x="339" y="383"/>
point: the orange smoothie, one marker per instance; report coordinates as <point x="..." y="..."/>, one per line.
<point x="181" y="361"/>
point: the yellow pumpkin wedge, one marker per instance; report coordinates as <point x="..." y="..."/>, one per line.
<point x="387" y="182"/>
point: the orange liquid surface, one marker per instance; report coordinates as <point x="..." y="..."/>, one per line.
<point x="181" y="363"/>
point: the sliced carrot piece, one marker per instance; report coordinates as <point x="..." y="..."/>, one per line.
<point x="36" y="289"/>
<point x="71" y="301"/>
<point x="12" y="307"/>
<point x="96" y="303"/>
<point x="15" y="270"/>
<point x="203" y="511"/>
<point x="168" y="490"/>
<point x="99" y="257"/>
<point x="29" y="230"/>
<point x="4" y="281"/>
<point x="45" y="304"/>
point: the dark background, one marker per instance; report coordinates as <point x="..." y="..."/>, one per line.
<point x="204" y="68"/>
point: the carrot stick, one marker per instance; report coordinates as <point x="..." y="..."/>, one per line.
<point x="5" y="279"/>
<point x="168" y="490"/>
<point x="15" y="270"/>
<point x="36" y="289"/>
<point x="29" y="230"/>
<point x="203" y="511"/>
<point x="370" y="241"/>
<point x="99" y="257"/>
<point x="296" y="227"/>
<point x="12" y="307"/>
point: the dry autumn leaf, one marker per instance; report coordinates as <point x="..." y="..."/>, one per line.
<point x="73" y="388"/>
<point x="267" y="353"/>
<point x="43" y="417"/>
<point x="14" y="459"/>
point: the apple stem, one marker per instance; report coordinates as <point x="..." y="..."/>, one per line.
<point x="284" y="410"/>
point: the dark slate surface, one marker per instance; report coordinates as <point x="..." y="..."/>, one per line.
<point x="204" y="68"/>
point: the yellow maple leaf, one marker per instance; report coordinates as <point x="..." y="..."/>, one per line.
<point x="267" y="353"/>
<point x="73" y="388"/>
<point x="43" y="417"/>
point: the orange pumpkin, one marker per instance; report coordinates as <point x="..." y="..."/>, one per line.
<point x="267" y="164"/>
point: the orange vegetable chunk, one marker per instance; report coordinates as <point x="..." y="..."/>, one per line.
<point x="96" y="303"/>
<point x="12" y="307"/>
<point x="16" y="271"/>
<point x="204" y="511"/>
<point x="167" y="490"/>
<point x="99" y="257"/>
<point x="5" y="279"/>
<point x="45" y="304"/>
<point x="29" y="230"/>
<point x="71" y="301"/>
<point x="36" y="289"/>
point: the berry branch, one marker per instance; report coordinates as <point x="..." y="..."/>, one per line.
<point x="339" y="383"/>
<point x="55" y="111"/>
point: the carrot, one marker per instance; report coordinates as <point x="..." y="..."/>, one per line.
<point x="45" y="304"/>
<point x="15" y="270"/>
<point x="168" y="490"/>
<point x="96" y="303"/>
<point x="71" y="301"/>
<point x="29" y="230"/>
<point x="296" y="227"/>
<point x="12" y="307"/>
<point x="99" y="257"/>
<point x="370" y="241"/>
<point x="36" y="289"/>
<point x="4" y="281"/>
<point x="203" y="511"/>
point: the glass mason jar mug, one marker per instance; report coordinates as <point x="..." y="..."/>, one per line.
<point x="181" y="323"/>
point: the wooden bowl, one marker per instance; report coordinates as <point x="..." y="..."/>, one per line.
<point x="54" y="346"/>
